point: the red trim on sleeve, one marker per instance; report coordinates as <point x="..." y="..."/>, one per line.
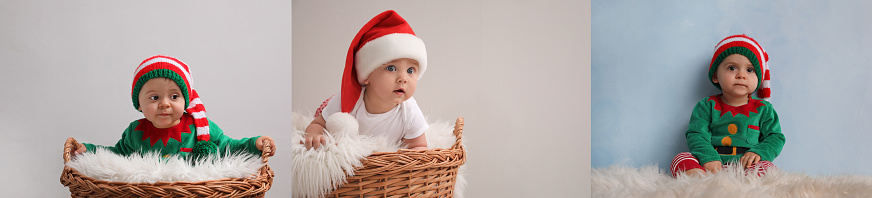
<point x="186" y="149"/>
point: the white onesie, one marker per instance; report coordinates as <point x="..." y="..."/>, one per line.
<point x="403" y="121"/>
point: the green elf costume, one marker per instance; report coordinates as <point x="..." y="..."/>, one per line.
<point x="720" y="132"/>
<point x="142" y="137"/>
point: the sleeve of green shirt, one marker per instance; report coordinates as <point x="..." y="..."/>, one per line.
<point x="699" y="133"/>
<point x="226" y="143"/>
<point x="771" y="138"/>
<point x="122" y="147"/>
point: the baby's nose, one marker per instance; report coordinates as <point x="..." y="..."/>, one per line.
<point x="402" y="78"/>
<point x="164" y="104"/>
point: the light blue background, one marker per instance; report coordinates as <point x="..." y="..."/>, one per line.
<point x="649" y="64"/>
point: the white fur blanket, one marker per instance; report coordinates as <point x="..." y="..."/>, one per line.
<point x="318" y="171"/>
<point x="150" y="168"/>
<point x="650" y="181"/>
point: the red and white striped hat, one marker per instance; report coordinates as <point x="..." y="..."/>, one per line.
<point x="176" y="70"/>
<point x="386" y="37"/>
<point x="748" y="47"/>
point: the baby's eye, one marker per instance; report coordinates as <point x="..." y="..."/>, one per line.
<point x="175" y="96"/>
<point x="153" y="97"/>
<point x="732" y="68"/>
<point x="410" y="70"/>
<point x="750" y="70"/>
<point x="391" y="68"/>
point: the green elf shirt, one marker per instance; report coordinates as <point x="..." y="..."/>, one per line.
<point x="141" y="136"/>
<point x="714" y="123"/>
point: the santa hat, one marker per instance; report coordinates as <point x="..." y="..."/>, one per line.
<point x="386" y="37"/>
<point x="748" y="47"/>
<point x="168" y="67"/>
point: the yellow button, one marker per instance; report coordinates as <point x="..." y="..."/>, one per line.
<point x="727" y="141"/>
<point x="732" y="128"/>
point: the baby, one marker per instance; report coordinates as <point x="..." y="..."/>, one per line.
<point x="162" y="89"/>
<point x="733" y="127"/>
<point x="382" y="68"/>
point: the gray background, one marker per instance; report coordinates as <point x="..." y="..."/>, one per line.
<point x="518" y="72"/>
<point x="67" y="68"/>
<point x="650" y="67"/>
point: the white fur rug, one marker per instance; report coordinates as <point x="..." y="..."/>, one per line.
<point x="318" y="171"/>
<point x="150" y="168"/>
<point x="650" y="181"/>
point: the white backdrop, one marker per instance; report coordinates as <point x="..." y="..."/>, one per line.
<point x="518" y="72"/>
<point x="67" y="68"/>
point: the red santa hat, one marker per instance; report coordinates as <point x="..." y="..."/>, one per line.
<point x="748" y="47"/>
<point x="386" y="37"/>
<point x="168" y="67"/>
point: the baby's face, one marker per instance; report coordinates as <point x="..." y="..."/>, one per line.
<point x="736" y="75"/>
<point x="161" y="102"/>
<point x="393" y="82"/>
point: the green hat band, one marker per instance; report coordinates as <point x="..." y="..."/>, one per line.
<point x="736" y="50"/>
<point x="159" y="73"/>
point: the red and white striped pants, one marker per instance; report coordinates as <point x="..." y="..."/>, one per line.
<point x="685" y="161"/>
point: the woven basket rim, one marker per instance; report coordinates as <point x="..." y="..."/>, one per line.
<point x="262" y="180"/>
<point x="378" y="175"/>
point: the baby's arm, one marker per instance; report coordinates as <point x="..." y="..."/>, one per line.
<point x="771" y="138"/>
<point x="699" y="136"/>
<point x="418" y="143"/>
<point x="121" y="147"/>
<point x="416" y="124"/>
<point x="315" y="133"/>
<point x="225" y="143"/>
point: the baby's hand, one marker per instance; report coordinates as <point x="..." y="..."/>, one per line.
<point x="79" y="150"/>
<point x="749" y="159"/>
<point x="314" y="139"/>
<point x="713" y="166"/>
<point x="266" y="139"/>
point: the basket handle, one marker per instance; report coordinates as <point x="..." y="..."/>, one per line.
<point x="458" y="133"/>
<point x="70" y="146"/>
<point x="267" y="148"/>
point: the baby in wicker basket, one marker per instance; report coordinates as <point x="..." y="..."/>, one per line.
<point x="162" y="89"/>
<point x="382" y="68"/>
<point x="733" y="127"/>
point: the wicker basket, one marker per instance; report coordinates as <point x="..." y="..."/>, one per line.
<point x="83" y="186"/>
<point x="408" y="173"/>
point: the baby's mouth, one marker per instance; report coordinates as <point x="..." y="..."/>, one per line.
<point x="399" y="91"/>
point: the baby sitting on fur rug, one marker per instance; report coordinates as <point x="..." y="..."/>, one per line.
<point x="733" y="127"/>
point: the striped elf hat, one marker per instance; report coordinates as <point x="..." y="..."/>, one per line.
<point x="168" y="67"/>
<point x="386" y="37"/>
<point x="748" y="47"/>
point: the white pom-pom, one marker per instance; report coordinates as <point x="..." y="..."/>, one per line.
<point x="342" y="123"/>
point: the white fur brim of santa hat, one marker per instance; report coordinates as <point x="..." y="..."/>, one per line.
<point x="386" y="37"/>
<point x="388" y="48"/>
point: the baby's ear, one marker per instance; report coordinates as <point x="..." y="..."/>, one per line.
<point x="715" y="78"/>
